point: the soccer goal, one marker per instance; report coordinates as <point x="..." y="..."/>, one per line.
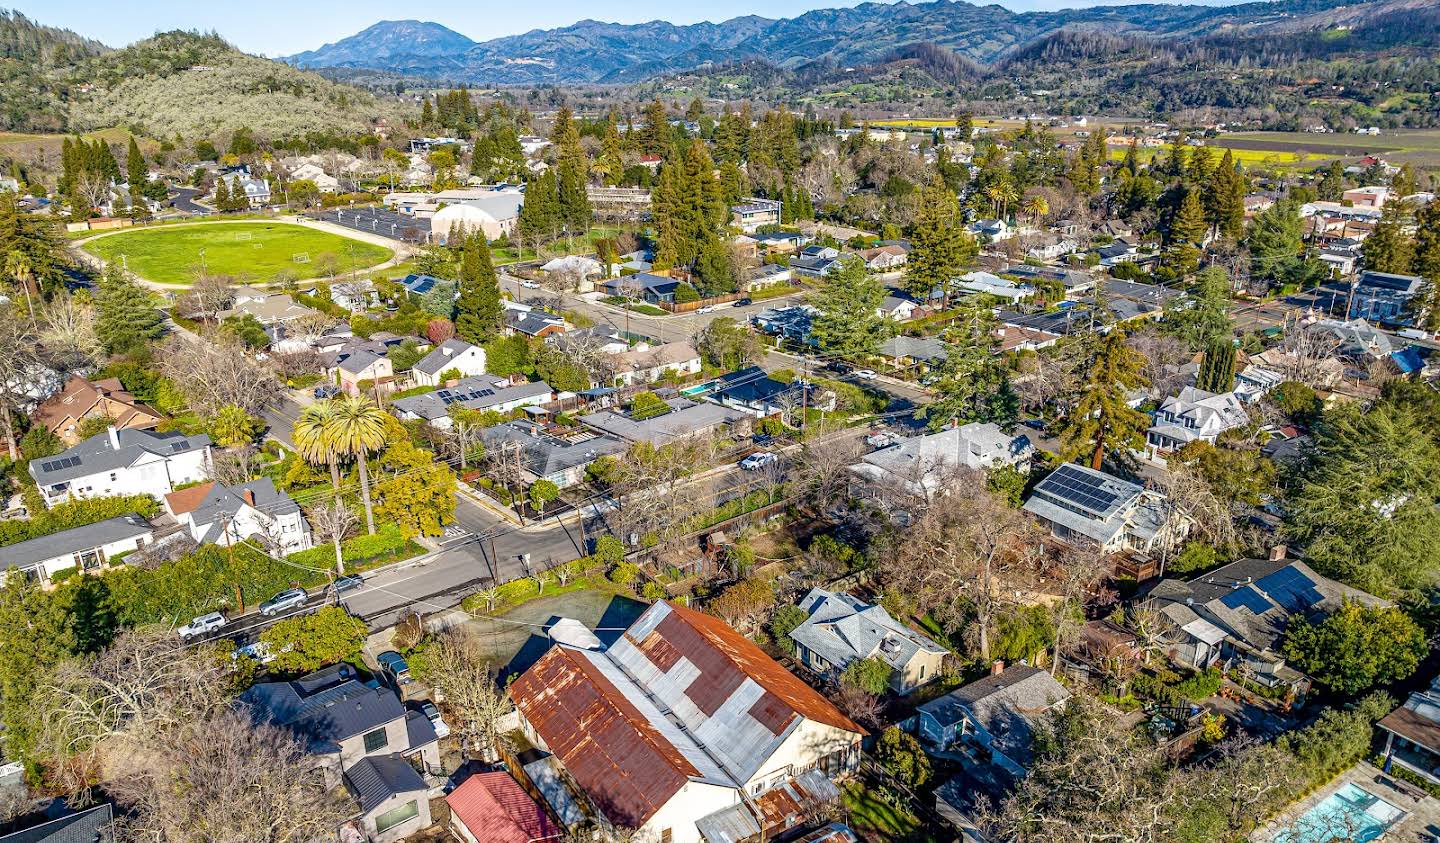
<point x="300" y="257"/>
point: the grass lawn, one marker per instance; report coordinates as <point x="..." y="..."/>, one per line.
<point x="879" y="822"/>
<point x="255" y="251"/>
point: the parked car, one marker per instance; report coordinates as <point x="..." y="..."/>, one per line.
<point x="394" y="664"/>
<point x="349" y="582"/>
<point x="287" y="599"/>
<point x="428" y="709"/>
<point x="530" y="285"/>
<point x="323" y="392"/>
<point x="866" y="374"/>
<point x="755" y="462"/>
<point x="881" y="439"/>
<point x="709" y="308"/>
<point x="203" y="625"/>
<point x="743" y="302"/>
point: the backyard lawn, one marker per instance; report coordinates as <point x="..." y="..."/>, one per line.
<point x="880" y="822"/>
<point x="252" y="251"/>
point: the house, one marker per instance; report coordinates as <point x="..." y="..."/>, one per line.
<point x="1016" y="338"/>
<point x="792" y="323"/>
<point x="257" y="191"/>
<point x="1047" y="246"/>
<point x="361" y="737"/>
<point x="1118" y="252"/>
<point x="755" y="392"/>
<point x="754" y="214"/>
<point x="576" y="267"/>
<point x="686" y="418"/>
<point x="267" y="307"/>
<point x="81" y="400"/>
<point x="643" y="364"/>
<point x="555" y="454"/>
<point x="898" y="307"/>
<point x="494" y="808"/>
<point x="1255" y="382"/>
<point x="419" y="285"/>
<point x="1372" y="196"/>
<point x="781" y="242"/>
<point x="1412" y="734"/>
<point x="1385" y="297"/>
<point x="1236" y="615"/>
<point x="123" y="462"/>
<point x="481" y="393"/>
<point x="87" y="549"/>
<point x="990" y="231"/>
<point x="907" y="351"/>
<point x="1075" y="281"/>
<point x="682" y="727"/>
<point x="533" y="323"/>
<point x="1358" y="339"/>
<point x="1191" y="416"/>
<point x="1341" y="263"/>
<point x="452" y="355"/>
<point x="1079" y="503"/>
<point x="643" y="286"/>
<point x="921" y="463"/>
<point x="993" y="285"/>
<point x="313" y="173"/>
<point x="217" y="514"/>
<point x="601" y="339"/>
<point x="362" y="361"/>
<point x="768" y="275"/>
<point x="884" y="258"/>
<point x="92" y="825"/>
<point x="355" y="296"/>
<point x="842" y="630"/>
<point x="997" y="714"/>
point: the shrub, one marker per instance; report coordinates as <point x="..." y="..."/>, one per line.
<point x="901" y="755"/>
<point x="624" y="574"/>
<point x="609" y="550"/>
<point x="1200" y="685"/>
<point x="869" y="675"/>
<point x="786" y="619"/>
<point x="653" y="591"/>
<point x="1197" y="556"/>
<point x="75" y="513"/>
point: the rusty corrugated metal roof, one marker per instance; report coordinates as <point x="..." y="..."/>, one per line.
<point x="622" y="762"/>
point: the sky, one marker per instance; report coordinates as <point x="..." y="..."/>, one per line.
<point x="276" y="28"/>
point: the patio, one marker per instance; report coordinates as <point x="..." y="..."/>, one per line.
<point x="1421" y="823"/>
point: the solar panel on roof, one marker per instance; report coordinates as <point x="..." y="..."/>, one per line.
<point x="1291" y="589"/>
<point x="1080" y="489"/>
<point x="1246" y="598"/>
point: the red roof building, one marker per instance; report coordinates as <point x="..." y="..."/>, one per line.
<point x="494" y="808"/>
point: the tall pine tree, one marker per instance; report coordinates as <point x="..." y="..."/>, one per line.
<point x="940" y="245"/>
<point x="571" y="169"/>
<point x="1389" y="248"/>
<point x="1217" y="367"/>
<point x="479" y="315"/>
<point x="126" y="319"/>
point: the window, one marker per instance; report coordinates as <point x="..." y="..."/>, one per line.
<point x="396" y="816"/>
<point x="375" y="741"/>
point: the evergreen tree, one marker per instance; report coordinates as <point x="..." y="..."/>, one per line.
<point x="238" y="200"/>
<point x="126" y="319"/>
<point x="222" y="195"/>
<point x="1404" y="183"/>
<point x="1389" y="248"/>
<point x="1217" y="367"/>
<point x="427" y="114"/>
<point x="612" y="151"/>
<point x="1200" y="166"/>
<point x="655" y="137"/>
<point x="540" y="215"/>
<point x="479" y="314"/>
<point x="849" y="324"/>
<point x="137" y="174"/>
<point x="1185" y="234"/>
<point x="105" y="163"/>
<point x="695" y="110"/>
<point x="973" y="382"/>
<point x="1276" y="240"/>
<point x="1101" y="420"/>
<point x="571" y="168"/>
<point x="1333" y="184"/>
<point x="1224" y="199"/>
<point x="940" y="245"/>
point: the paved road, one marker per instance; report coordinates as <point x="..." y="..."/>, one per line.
<point x="184" y="201"/>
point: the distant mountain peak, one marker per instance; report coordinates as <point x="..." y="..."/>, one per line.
<point x="391" y="45"/>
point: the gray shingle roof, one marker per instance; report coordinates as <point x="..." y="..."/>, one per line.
<point x="90" y="826"/>
<point x="96" y="454"/>
<point x="843" y="629"/>
<point x="326" y="716"/>
<point x="1007" y="705"/>
<point x="544" y="454"/>
<point x="379" y="777"/>
<point x="686" y="418"/>
<point x="223" y="501"/>
<point x="441" y="356"/>
<point x="477" y="393"/>
<point x="74" y="540"/>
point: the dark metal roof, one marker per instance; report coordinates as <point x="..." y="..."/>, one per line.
<point x="379" y="777"/>
<point x="328" y="715"/>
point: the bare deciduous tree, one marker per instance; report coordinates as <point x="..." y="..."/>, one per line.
<point x="1164" y="355"/>
<point x="333" y="522"/>
<point x="67" y="330"/>
<point x="823" y="468"/>
<point x="218" y="373"/>
<point x="234" y="466"/>
<point x="209" y="295"/>
<point x="20" y="364"/>
<point x="457" y="661"/>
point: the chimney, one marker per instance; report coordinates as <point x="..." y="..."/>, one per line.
<point x="248" y="495"/>
<point x="114" y="438"/>
<point x="1279" y="552"/>
<point x="997" y="668"/>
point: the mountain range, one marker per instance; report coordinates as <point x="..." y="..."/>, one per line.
<point x="595" y="52"/>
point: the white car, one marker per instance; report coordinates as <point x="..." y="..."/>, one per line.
<point x="755" y="462"/>
<point x="203" y="625"/>
<point x="433" y="715"/>
<point x="709" y="308"/>
<point x="530" y="285"/>
<point x="866" y="374"/>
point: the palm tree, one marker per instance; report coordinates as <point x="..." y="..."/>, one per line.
<point x="312" y="439"/>
<point x="1035" y="207"/>
<point x="17" y="265"/>
<point x="357" y="428"/>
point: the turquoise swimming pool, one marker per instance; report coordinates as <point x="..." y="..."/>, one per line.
<point x="1352" y="814"/>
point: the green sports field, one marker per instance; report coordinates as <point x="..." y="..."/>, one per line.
<point x="247" y="251"/>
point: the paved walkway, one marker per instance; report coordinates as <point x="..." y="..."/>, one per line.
<point x="402" y="251"/>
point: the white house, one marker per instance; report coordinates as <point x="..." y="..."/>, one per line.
<point x="923" y="461"/>
<point x="993" y="285"/>
<point x="216" y="514"/>
<point x="1078" y="503"/>
<point x="644" y="364"/>
<point x="1192" y="415"/>
<point x="312" y="172"/>
<point x="123" y="462"/>
<point x="682" y="728"/>
<point x="453" y="354"/>
<point x="88" y="548"/>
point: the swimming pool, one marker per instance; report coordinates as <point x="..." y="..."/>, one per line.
<point x="1351" y="813"/>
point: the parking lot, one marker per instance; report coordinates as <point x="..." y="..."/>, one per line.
<point x="377" y="221"/>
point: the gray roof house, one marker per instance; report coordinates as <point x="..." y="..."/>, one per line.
<point x="480" y="393"/>
<point x="922" y="461"/>
<point x="1237" y="614"/>
<point x="217" y="514"/>
<point x="361" y="737"/>
<point x="927" y="350"/>
<point x="88" y="548"/>
<point x="93" y="825"/>
<point x="553" y="454"/>
<point x="123" y="462"/>
<point x="1079" y="503"/>
<point x="454" y="353"/>
<point x="1194" y="415"/>
<point x="686" y="418"/>
<point x="998" y="713"/>
<point x="842" y="629"/>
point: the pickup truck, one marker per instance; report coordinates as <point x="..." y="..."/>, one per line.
<point x="203" y="625"/>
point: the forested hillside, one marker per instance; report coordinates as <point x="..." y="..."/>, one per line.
<point x="34" y="64"/>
